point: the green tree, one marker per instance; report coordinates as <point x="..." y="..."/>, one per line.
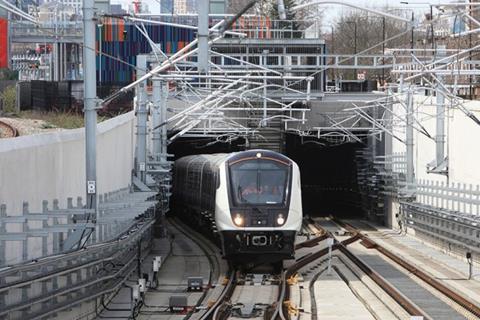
<point x="7" y="74"/>
<point x="9" y="98"/>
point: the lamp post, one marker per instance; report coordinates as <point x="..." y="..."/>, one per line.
<point x="354" y="45"/>
<point x="383" y="49"/>
<point x="332" y="46"/>
<point x="431" y="19"/>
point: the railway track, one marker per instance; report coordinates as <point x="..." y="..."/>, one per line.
<point x="419" y="296"/>
<point x="240" y="300"/>
<point x="283" y="305"/>
<point x="247" y="296"/>
<point x="215" y="268"/>
<point x="7" y="131"/>
<point x="257" y="295"/>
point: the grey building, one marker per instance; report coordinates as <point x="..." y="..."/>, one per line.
<point x="166" y="6"/>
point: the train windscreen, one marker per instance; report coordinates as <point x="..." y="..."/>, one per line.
<point x="260" y="182"/>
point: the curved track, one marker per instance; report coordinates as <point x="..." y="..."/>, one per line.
<point x="215" y="266"/>
<point x="7" y="131"/>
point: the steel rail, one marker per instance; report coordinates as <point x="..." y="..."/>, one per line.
<point x="459" y="299"/>
<point x="225" y="296"/>
<point x="202" y="243"/>
<point x="312" y="242"/>
<point x="284" y="292"/>
<point x="13" y="131"/>
<point x="403" y="301"/>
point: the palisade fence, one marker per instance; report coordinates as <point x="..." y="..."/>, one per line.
<point x="456" y="197"/>
<point x="447" y="212"/>
<point x="39" y="279"/>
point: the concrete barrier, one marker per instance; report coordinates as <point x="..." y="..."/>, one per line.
<point x="52" y="165"/>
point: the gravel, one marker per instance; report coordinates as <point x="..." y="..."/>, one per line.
<point x="27" y="127"/>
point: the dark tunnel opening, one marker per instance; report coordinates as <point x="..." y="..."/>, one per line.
<point x="203" y="145"/>
<point x="328" y="172"/>
<point x="329" y="176"/>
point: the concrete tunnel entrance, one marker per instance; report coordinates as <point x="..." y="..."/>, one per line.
<point x="329" y="176"/>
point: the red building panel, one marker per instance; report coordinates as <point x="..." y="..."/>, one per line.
<point x="3" y="43"/>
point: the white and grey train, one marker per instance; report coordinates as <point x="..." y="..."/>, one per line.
<point x="250" y="199"/>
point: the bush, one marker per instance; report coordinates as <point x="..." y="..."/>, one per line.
<point x="9" y="98"/>
<point x="7" y="74"/>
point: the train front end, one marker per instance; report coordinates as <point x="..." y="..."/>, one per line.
<point x="258" y="209"/>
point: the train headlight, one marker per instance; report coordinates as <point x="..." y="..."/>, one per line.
<point x="280" y="219"/>
<point x="238" y="220"/>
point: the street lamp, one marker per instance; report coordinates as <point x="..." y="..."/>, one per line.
<point x="332" y="50"/>
<point x="431" y="18"/>
<point x="332" y="34"/>
<point x="355" y="45"/>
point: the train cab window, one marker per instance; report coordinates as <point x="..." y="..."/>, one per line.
<point x="259" y="182"/>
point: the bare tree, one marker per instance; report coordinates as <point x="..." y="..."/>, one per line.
<point x="356" y="31"/>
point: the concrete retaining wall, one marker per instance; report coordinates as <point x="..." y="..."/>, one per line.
<point x="52" y="165"/>
<point x="462" y="148"/>
<point x="462" y="145"/>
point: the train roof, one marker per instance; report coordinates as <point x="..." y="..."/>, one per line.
<point x="218" y="158"/>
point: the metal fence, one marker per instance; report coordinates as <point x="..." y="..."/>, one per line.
<point x="41" y="278"/>
<point x="33" y="235"/>
<point x="45" y="287"/>
<point x="456" y="197"/>
<point x="447" y="214"/>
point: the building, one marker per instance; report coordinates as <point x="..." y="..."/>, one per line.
<point x="117" y="9"/>
<point x="218" y="6"/>
<point x="166" y="6"/>
<point x="190" y="6"/>
<point x="101" y="5"/>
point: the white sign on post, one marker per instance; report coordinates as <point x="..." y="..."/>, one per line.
<point x="91" y="187"/>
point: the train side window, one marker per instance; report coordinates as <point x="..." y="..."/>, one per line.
<point x="217" y="180"/>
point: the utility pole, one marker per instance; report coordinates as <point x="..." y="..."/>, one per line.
<point x="470" y="53"/>
<point x="156" y="122"/>
<point x="354" y="46"/>
<point x="355" y="49"/>
<point x="90" y="103"/>
<point x="159" y="110"/>
<point x="431" y="26"/>
<point x="409" y="139"/>
<point x="383" y="49"/>
<point x="440" y="125"/>
<point x="142" y="117"/>
<point x="203" y="32"/>
<point x="412" y="40"/>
